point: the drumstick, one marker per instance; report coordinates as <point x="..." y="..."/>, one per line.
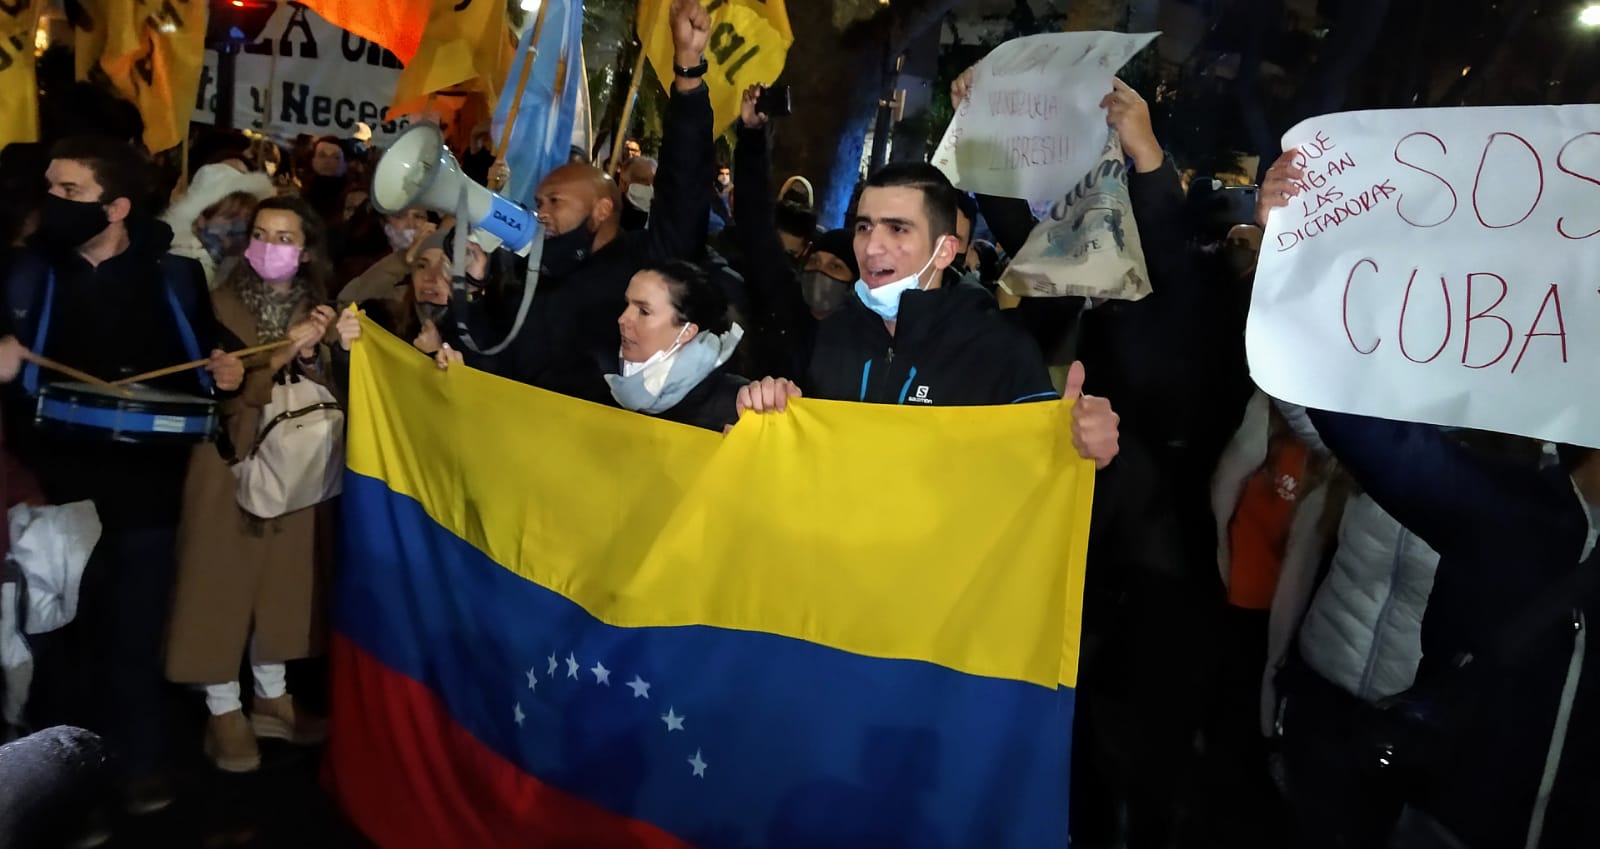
<point x="182" y="367"/>
<point x="83" y="377"/>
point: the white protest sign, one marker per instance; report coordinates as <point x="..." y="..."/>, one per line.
<point x="1439" y="266"/>
<point x="1032" y="125"/>
<point x="1089" y="244"/>
<point x="305" y="75"/>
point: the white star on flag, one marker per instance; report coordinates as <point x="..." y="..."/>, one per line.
<point x="641" y="687"/>
<point x="699" y="765"/>
<point x="602" y="675"/>
<point x="553" y="664"/>
<point x="518" y="715"/>
<point x="533" y="680"/>
<point x="673" y="720"/>
<point x="572" y="666"/>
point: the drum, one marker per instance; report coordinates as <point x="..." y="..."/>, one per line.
<point x="143" y="415"/>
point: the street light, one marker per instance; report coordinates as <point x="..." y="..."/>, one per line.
<point x="1590" y="16"/>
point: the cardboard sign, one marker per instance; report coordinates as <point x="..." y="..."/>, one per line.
<point x="1033" y="126"/>
<point x="1439" y="266"/>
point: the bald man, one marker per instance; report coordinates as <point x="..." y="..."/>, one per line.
<point x="588" y="257"/>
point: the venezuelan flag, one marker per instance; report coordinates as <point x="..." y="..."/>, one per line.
<point x="560" y="624"/>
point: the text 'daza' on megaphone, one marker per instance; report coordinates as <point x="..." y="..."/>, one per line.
<point x="418" y="170"/>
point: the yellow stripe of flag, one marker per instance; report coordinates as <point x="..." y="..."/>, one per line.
<point x="924" y="534"/>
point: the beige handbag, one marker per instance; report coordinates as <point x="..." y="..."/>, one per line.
<point x="298" y="458"/>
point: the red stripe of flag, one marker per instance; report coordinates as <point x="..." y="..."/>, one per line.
<point x="411" y="778"/>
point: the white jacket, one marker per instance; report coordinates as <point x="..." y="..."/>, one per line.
<point x="1363" y="629"/>
<point x="1361" y="626"/>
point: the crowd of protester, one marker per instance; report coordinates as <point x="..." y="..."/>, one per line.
<point x="1302" y="628"/>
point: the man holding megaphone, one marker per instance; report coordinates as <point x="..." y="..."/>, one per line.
<point x="586" y="260"/>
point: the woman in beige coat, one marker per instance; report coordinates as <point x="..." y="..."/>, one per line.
<point x="247" y="584"/>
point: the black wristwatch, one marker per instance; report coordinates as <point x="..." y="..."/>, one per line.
<point x="693" y="73"/>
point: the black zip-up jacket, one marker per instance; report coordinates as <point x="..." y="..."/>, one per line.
<point x="112" y="320"/>
<point x="577" y="312"/>
<point x="951" y="348"/>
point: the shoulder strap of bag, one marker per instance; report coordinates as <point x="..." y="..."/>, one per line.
<point x="290" y="376"/>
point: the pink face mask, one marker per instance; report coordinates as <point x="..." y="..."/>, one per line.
<point x="273" y="262"/>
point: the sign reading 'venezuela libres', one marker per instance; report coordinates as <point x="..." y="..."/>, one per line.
<point x="305" y="75"/>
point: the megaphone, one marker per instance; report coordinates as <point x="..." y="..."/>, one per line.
<point x="418" y="170"/>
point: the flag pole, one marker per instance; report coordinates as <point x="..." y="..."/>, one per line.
<point x="522" y="81"/>
<point x="633" y="83"/>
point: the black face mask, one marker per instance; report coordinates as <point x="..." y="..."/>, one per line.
<point x="634" y="219"/>
<point x="65" y="225"/>
<point x="1241" y="261"/>
<point x="564" y="253"/>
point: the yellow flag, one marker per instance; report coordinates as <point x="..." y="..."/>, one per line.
<point x="467" y="47"/>
<point x="19" y="98"/>
<point x="88" y="36"/>
<point x="154" y="50"/>
<point x="749" y="42"/>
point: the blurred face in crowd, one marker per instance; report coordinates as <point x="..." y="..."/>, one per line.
<point x="353" y="202"/>
<point x="724" y="178"/>
<point x="894" y="240"/>
<point x="224" y="228"/>
<point x="794" y="244"/>
<point x="830" y="265"/>
<point x="650" y="324"/>
<point x="328" y="160"/>
<point x="414" y="218"/>
<point x="430" y="278"/>
<point x="1241" y="249"/>
<point x="630" y="149"/>
<point x="637" y="181"/>
<point x="571" y="197"/>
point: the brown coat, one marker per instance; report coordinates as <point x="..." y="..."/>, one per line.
<point x="238" y="576"/>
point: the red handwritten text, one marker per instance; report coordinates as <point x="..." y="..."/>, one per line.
<point x="1548" y="322"/>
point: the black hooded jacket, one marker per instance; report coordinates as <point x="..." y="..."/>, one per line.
<point x="112" y="321"/>
<point x="951" y="348"/>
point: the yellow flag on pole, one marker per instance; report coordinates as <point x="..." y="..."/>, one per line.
<point x="749" y="43"/>
<point x="19" y="90"/>
<point x="466" y="47"/>
<point x="154" y="51"/>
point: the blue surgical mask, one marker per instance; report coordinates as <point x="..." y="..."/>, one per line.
<point x="885" y="300"/>
<point x="221" y="240"/>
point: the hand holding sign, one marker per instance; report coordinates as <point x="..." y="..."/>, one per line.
<point x="1281" y="185"/>
<point x="1129" y="116"/>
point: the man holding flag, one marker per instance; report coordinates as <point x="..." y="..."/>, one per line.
<point x="588" y="259"/>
